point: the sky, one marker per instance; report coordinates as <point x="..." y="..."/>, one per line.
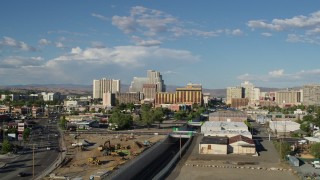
<point x="211" y="42"/>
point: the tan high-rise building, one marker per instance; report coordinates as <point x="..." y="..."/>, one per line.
<point x="165" y="98"/>
<point x="191" y="94"/>
<point x="149" y="91"/>
<point x="128" y="97"/>
<point x="311" y="94"/>
<point x="289" y="97"/>
<point x="103" y="86"/>
<point x="235" y="92"/>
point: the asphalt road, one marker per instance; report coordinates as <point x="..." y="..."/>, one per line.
<point x="24" y="163"/>
<point x="46" y="142"/>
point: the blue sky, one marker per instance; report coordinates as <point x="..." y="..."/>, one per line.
<point x="216" y="43"/>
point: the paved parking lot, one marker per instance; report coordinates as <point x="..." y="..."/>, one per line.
<point x="307" y="170"/>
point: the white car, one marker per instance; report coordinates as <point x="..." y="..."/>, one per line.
<point x="316" y="164"/>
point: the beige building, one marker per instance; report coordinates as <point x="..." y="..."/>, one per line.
<point x="213" y="145"/>
<point x="191" y="94"/>
<point x="129" y="97"/>
<point x="149" y="91"/>
<point x="241" y="145"/>
<point x="165" y="98"/>
<point x="239" y="102"/>
<point x="234" y="92"/>
<point x="311" y="94"/>
<point x="288" y="98"/>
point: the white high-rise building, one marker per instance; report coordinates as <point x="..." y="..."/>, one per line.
<point x="153" y="77"/>
<point x="156" y="78"/>
<point x="137" y="84"/>
<point x="250" y="91"/>
<point x="105" y="85"/>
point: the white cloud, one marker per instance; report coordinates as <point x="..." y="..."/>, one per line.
<point x="261" y="24"/>
<point x="305" y="29"/>
<point x="99" y="16"/>
<point x="97" y="44"/>
<point x="126" y="24"/>
<point x="236" y="32"/>
<point x="276" y="73"/>
<point x="266" y="34"/>
<point x="76" y="50"/>
<point x="169" y="72"/>
<point x="126" y="55"/>
<point x="59" y="45"/>
<point x="19" y="62"/>
<point x="81" y="65"/>
<point x="311" y="21"/>
<point x="154" y="23"/>
<point x="279" y="76"/>
<point x="10" y="42"/>
<point x="44" y="42"/>
<point x="140" y="42"/>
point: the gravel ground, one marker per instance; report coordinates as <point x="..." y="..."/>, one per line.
<point x="266" y="166"/>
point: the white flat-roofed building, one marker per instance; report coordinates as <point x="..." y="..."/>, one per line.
<point x="225" y="129"/>
<point x="223" y="125"/>
<point x="228" y="133"/>
<point x="283" y="127"/>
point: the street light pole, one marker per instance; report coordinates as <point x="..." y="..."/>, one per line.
<point x="180" y="147"/>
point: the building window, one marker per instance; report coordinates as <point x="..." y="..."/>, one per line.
<point x="209" y="147"/>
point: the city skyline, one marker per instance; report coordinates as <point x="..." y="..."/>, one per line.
<point x="216" y="44"/>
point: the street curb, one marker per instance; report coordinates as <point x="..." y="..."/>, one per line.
<point x="241" y="167"/>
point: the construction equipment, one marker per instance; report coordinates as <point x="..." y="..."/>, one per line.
<point x="146" y="143"/>
<point x="107" y="148"/>
<point x="139" y="144"/>
<point x="94" y="161"/>
<point x="106" y="145"/>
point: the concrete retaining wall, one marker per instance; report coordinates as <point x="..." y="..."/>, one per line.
<point x="137" y="165"/>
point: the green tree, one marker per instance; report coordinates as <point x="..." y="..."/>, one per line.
<point x="283" y="148"/>
<point x="12" y="130"/>
<point x="63" y="122"/>
<point x="157" y="115"/>
<point x="305" y="126"/>
<point x="130" y="106"/>
<point x="122" y="106"/>
<point x="6" y="146"/>
<point x="311" y="109"/>
<point x="26" y="134"/>
<point x="146" y="115"/>
<point x="316" y="120"/>
<point x="180" y="115"/>
<point x="315" y="150"/>
<point x="308" y="118"/>
<point x="123" y="121"/>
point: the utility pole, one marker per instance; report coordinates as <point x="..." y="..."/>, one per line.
<point x="33" y="161"/>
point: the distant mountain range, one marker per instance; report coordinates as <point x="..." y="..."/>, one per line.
<point x="87" y="89"/>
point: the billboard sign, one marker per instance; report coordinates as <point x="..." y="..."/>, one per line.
<point x="20" y="127"/>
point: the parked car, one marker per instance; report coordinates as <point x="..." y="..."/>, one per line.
<point x="23" y="174"/>
<point x="316" y="164"/>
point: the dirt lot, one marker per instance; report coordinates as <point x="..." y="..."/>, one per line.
<point x="77" y="164"/>
<point x="265" y="166"/>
